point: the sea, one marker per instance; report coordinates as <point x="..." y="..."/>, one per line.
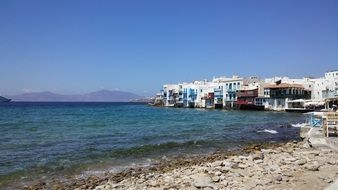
<point x="47" y="140"/>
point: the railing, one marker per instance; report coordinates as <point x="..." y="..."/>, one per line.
<point x="231" y="90"/>
<point x="291" y="96"/>
<point x="247" y="94"/>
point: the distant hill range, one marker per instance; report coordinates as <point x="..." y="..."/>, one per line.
<point x="99" y="96"/>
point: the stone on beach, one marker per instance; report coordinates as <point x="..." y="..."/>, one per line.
<point x="202" y="181"/>
<point x="258" y="156"/>
<point x="314" y="166"/>
<point x="301" y="161"/>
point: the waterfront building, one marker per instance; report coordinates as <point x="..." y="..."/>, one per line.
<point x="277" y="95"/>
<point x="246" y="99"/>
<point x="189" y="95"/>
<point x="228" y="88"/>
<point x="207" y="94"/>
<point x="321" y="88"/>
<point x="170" y="94"/>
<point x="332" y="84"/>
<point x="248" y="94"/>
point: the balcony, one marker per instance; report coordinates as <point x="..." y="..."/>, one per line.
<point x="231" y="90"/>
<point x="247" y="93"/>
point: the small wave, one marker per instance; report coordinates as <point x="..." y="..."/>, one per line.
<point x="300" y="125"/>
<point x="268" y="131"/>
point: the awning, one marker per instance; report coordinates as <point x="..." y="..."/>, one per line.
<point x="314" y="104"/>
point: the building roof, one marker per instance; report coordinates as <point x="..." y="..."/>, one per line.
<point x="283" y="85"/>
<point x="244" y="88"/>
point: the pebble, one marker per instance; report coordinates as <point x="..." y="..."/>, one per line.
<point x="279" y="178"/>
<point x="301" y="162"/>
<point x="215" y="178"/>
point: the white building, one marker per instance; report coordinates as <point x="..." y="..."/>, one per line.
<point x="332" y="83"/>
<point x="170" y="94"/>
<point x="221" y="91"/>
<point x="229" y="87"/>
<point x="320" y="88"/>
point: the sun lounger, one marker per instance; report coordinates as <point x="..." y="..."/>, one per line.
<point x="331" y="123"/>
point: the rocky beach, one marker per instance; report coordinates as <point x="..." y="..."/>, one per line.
<point x="292" y="165"/>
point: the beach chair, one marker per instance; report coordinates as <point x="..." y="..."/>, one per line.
<point x="316" y="121"/>
<point x="331" y="123"/>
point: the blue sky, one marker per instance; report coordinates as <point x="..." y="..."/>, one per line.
<point x="80" y="46"/>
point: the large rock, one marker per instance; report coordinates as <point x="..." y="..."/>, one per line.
<point x="202" y="181"/>
<point x="243" y="166"/>
<point x="257" y="156"/>
<point x="290" y="159"/>
<point x="217" y="163"/>
<point x="225" y="169"/>
<point x="314" y="166"/>
<point x="258" y="161"/>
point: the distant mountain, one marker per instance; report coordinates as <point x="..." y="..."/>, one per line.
<point x="39" y="96"/>
<point x="3" y="99"/>
<point x="99" y="96"/>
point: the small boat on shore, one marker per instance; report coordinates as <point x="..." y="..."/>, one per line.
<point x="3" y="99"/>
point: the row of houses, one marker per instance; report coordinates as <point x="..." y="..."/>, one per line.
<point x="277" y="93"/>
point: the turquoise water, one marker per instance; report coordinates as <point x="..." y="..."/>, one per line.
<point x="51" y="139"/>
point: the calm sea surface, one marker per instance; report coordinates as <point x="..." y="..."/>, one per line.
<point x="43" y="140"/>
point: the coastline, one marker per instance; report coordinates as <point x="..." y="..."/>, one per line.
<point x="108" y="139"/>
<point x="290" y="165"/>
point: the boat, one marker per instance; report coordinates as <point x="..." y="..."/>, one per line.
<point x="3" y="99"/>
